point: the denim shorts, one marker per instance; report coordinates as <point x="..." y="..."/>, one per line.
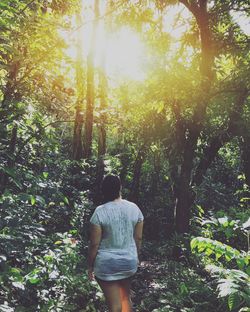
<point x="114" y="267"/>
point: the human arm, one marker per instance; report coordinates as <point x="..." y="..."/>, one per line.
<point x="95" y="238"/>
<point x="138" y="236"/>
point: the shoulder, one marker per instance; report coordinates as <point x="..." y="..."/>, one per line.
<point x="129" y="203"/>
<point x="99" y="208"/>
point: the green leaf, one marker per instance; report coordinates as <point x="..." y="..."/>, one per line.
<point x="244" y="199"/>
<point x="193" y="243"/>
<point x="223" y="221"/>
<point x="248" y="270"/>
<point x="12" y="173"/>
<point x="183" y="289"/>
<point x="233" y="301"/>
<point x="33" y="277"/>
<point x="45" y="175"/>
<point x="65" y="199"/>
<point x="160" y="107"/>
<point x="34" y="280"/>
<point x="74" y="232"/>
<point x="240" y="263"/>
<point x="32" y="200"/>
<point x="16" y="274"/>
<point x="209" y="252"/>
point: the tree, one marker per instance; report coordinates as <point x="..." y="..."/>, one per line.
<point x="190" y="93"/>
<point x="80" y="86"/>
<point x="90" y="96"/>
<point x="29" y="76"/>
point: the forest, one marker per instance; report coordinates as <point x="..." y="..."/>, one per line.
<point x="155" y="91"/>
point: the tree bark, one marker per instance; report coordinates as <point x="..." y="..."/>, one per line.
<point x="88" y="133"/>
<point x="80" y="85"/>
<point x="178" y="142"/>
<point x="246" y="158"/>
<point x="102" y="124"/>
<point x="103" y="107"/>
<point x="135" y="187"/>
<point x="156" y="173"/>
<point x="185" y="196"/>
<point x="103" y="91"/>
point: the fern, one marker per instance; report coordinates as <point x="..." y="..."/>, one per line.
<point x="213" y="247"/>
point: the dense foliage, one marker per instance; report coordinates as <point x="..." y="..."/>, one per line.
<point x="176" y="131"/>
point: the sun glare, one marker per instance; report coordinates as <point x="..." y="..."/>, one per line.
<point x="124" y="54"/>
<point x="123" y="49"/>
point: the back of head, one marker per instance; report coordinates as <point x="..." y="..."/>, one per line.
<point x="111" y="187"/>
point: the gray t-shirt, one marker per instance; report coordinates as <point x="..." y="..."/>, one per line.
<point x="117" y="254"/>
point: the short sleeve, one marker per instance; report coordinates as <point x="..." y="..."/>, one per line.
<point x="140" y="216"/>
<point x="95" y="218"/>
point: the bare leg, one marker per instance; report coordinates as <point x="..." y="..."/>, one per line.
<point x="125" y="294"/>
<point x="117" y="294"/>
<point x="111" y="290"/>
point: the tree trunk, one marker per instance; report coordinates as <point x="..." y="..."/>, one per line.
<point x="80" y="86"/>
<point x="185" y="196"/>
<point x="102" y="125"/>
<point x="246" y="158"/>
<point x="156" y="173"/>
<point x="103" y="108"/>
<point x="103" y="89"/>
<point x="135" y="187"/>
<point x="88" y="134"/>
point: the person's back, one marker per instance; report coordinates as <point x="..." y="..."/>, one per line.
<point x="117" y="254"/>
<point x="115" y="241"/>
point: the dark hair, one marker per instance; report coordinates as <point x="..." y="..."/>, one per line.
<point x="111" y="187"/>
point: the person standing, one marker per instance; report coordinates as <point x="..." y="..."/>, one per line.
<point x="115" y="240"/>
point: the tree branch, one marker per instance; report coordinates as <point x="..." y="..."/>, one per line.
<point x="192" y="7"/>
<point x="26" y="7"/>
<point x="217" y="142"/>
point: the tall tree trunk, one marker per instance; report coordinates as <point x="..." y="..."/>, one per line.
<point x="156" y="173"/>
<point x="185" y="196"/>
<point x="135" y="187"/>
<point x="77" y="152"/>
<point x="101" y="127"/>
<point x="103" y="91"/>
<point x="103" y="115"/>
<point x="88" y="133"/>
<point x="246" y="157"/>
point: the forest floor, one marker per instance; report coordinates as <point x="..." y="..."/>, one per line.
<point x="164" y="285"/>
<point x="171" y="286"/>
